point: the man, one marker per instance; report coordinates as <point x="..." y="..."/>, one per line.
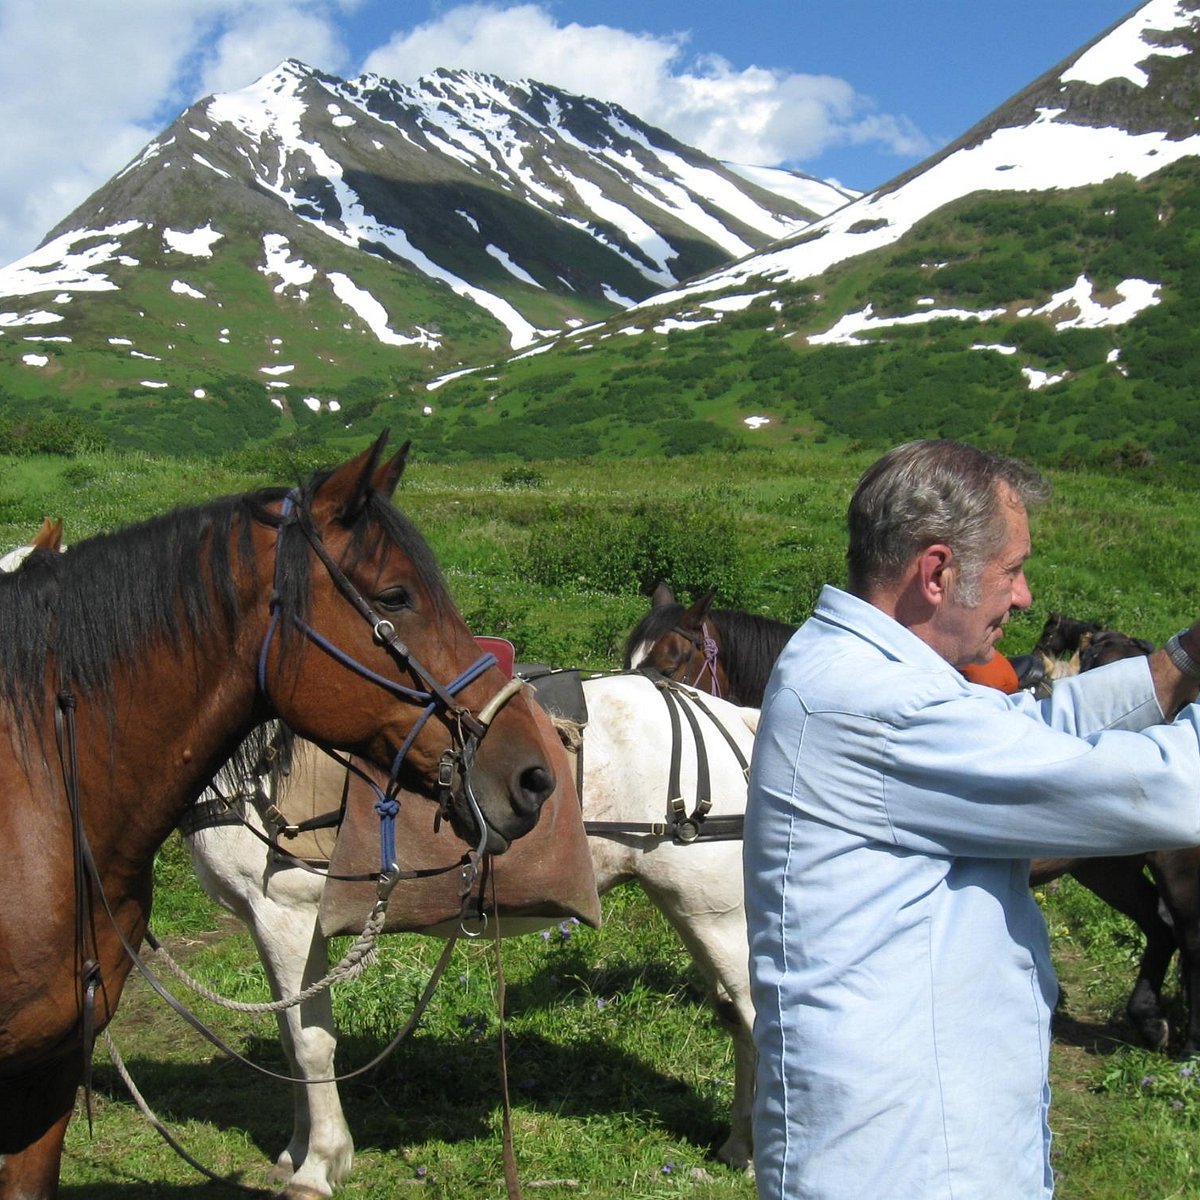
<point x="900" y="966"/>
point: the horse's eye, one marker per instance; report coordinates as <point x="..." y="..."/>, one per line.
<point x="394" y="599"/>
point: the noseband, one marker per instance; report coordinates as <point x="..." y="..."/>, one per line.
<point x="466" y="729"/>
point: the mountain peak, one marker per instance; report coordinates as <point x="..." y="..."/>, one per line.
<point x="391" y="229"/>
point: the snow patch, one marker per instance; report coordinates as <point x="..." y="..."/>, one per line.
<point x="196" y="242"/>
<point x="374" y="315"/>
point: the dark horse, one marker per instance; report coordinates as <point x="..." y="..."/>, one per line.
<point x="136" y="663"/>
<point x="719" y="650"/>
<point x="1173" y="881"/>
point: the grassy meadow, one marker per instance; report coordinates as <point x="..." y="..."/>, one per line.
<point x="620" y="1079"/>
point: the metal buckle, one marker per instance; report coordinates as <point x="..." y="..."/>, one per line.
<point x="686" y="831"/>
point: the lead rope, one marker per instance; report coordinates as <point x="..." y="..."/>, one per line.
<point x="163" y="1132"/>
<point x="512" y="1180"/>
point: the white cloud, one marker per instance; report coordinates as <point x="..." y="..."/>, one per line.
<point x="86" y="85"/>
<point x="753" y="115"/>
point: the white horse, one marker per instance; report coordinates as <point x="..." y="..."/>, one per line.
<point x="627" y="746"/>
<point x="48" y="537"/>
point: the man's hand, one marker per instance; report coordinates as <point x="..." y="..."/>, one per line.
<point x="1173" y="684"/>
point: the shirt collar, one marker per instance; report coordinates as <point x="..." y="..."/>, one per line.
<point x="873" y="625"/>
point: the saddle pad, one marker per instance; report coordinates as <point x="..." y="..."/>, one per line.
<point x="312" y="789"/>
<point x="559" y="692"/>
<point x="547" y="874"/>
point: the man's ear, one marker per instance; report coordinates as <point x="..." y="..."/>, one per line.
<point x="934" y="572"/>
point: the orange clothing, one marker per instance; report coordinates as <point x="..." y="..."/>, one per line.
<point x="998" y="672"/>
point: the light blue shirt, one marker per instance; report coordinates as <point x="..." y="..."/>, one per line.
<point x="900" y="965"/>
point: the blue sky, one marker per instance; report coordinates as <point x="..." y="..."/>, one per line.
<point x="853" y="90"/>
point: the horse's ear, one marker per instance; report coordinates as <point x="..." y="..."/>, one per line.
<point x="662" y="595"/>
<point x="695" y="616"/>
<point x="49" y="536"/>
<point x="388" y="474"/>
<point x="343" y="495"/>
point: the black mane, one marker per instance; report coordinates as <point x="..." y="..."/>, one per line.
<point x="750" y="644"/>
<point x="95" y="609"/>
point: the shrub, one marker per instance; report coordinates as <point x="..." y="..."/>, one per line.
<point x="619" y="552"/>
<point x="584" y="548"/>
<point x="522" y="477"/>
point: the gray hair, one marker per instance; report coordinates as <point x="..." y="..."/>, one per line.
<point x="927" y="492"/>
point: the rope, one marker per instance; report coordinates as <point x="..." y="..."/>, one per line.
<point x="163" y="1132"/>
<point x="359" y="956"/>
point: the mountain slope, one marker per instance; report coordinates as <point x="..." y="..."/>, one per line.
<point x="1033" y="286"/>
<point x="324" y="242"/>
<point x="1126" y="104"/>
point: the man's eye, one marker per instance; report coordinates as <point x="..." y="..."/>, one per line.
<point x="394" y="599"/>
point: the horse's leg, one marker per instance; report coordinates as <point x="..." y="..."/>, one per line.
<point x="294" y="953"/>
<point x="714" y="931"/>
<point x="1122" y="883"/>
<point x="34" y="1114"/>
<point x="1177" y="873"/>
<point x="738" y="1148"/>
<point x="282" y="919"/>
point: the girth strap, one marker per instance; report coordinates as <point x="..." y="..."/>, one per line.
<point x="685" y="828"/>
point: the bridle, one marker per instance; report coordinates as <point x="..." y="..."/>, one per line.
<point x="705" y="645"/>
<point x="467" y="730"/>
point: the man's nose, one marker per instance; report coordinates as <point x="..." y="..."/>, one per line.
<point x="1022" y="597"/>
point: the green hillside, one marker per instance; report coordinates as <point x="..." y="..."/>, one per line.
<point x="685" y="390"/>
<point x="1125" y="391"/>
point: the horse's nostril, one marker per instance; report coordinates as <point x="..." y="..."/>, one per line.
<point x="536" y="785"/>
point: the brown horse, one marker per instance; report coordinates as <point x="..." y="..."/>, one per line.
<point x="722" y="651"/>
<point x="136" y="663"/>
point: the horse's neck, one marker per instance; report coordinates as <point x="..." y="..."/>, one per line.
<point x="175" y="719"/>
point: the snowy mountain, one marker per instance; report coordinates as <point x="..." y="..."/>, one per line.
<point x="1034" y="286"/>
<point x="1124" y="105"/>
<point x="351" y="159"/>
<point x="508" y="269"/>
<point x="308" y="232"/>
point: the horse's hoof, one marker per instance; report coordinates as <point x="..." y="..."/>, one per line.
<point x="1155" y="1033"/>
<point x="301" y="1192"/>
<point x="736" y="1155"/>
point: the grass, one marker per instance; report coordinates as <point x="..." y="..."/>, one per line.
<point x="620" y="1078"/>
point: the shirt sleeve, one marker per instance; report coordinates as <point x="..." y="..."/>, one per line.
<point x="976" y="773"/>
